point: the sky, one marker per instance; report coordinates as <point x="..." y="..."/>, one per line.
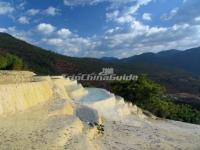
<point x="103" y="28"/>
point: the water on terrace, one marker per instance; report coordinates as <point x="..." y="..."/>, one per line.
<point x="95" y="94"/>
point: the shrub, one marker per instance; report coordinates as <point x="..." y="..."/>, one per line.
<point x="10" y="62"/>
<point x="150" y="96"/>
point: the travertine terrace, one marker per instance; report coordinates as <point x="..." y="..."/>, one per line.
<point x="45" y="112"/>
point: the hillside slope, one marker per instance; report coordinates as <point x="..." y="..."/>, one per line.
<point x="46" y="62"/>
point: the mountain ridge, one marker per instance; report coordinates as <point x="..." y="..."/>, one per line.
<point x="187" y="60"/>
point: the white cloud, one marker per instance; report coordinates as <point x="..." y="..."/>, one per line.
<point x="132" y="9"/>
<point x="125" y="19"/>
<point x="143" y="38"/>
<point x="20" y="34"/>
<point x="185" y="13"/>
<point x="169" y="16"/>
<point x="114" y="3"/>
<point x="52" y="11"/>
<point x="146" y="16"/>
<point x="54" y="42"/>
<point x="23" y="20"/>
<point x="73" y="46"/>
<point x="197" y="19"/>
<point x="64" y="32"/>
<point x="5" y="8"/>
<point x="3" y="30"/>
<point x="45" y="28"/>
<point x="112" y="30"/>
<point x="126" y="13"/>
<point x="81" y="2"/>
<point x="112" y="15"/>
<point x="21" y="6"/>
<point x="33" y="12"/>
<point x="68" y="43"/>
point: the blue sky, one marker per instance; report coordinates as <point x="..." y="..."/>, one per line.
<point x="97" y="28"/>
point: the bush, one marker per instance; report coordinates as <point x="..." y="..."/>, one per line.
<point x="150" y="96"/>
<point x="10" y="62"/>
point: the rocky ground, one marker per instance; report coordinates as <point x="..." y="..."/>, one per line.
<point x="43" y="127"/>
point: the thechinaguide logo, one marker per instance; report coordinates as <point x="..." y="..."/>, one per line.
<point x="107" y="74"/>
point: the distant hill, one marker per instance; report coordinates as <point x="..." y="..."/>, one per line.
<point x="169" y="53"/>
<point x="188" y="60"/>
<point x="110" y="59"/>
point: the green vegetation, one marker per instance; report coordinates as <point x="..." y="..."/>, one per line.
<point x="151" y="96"/>
<point x="10" y="62"/>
